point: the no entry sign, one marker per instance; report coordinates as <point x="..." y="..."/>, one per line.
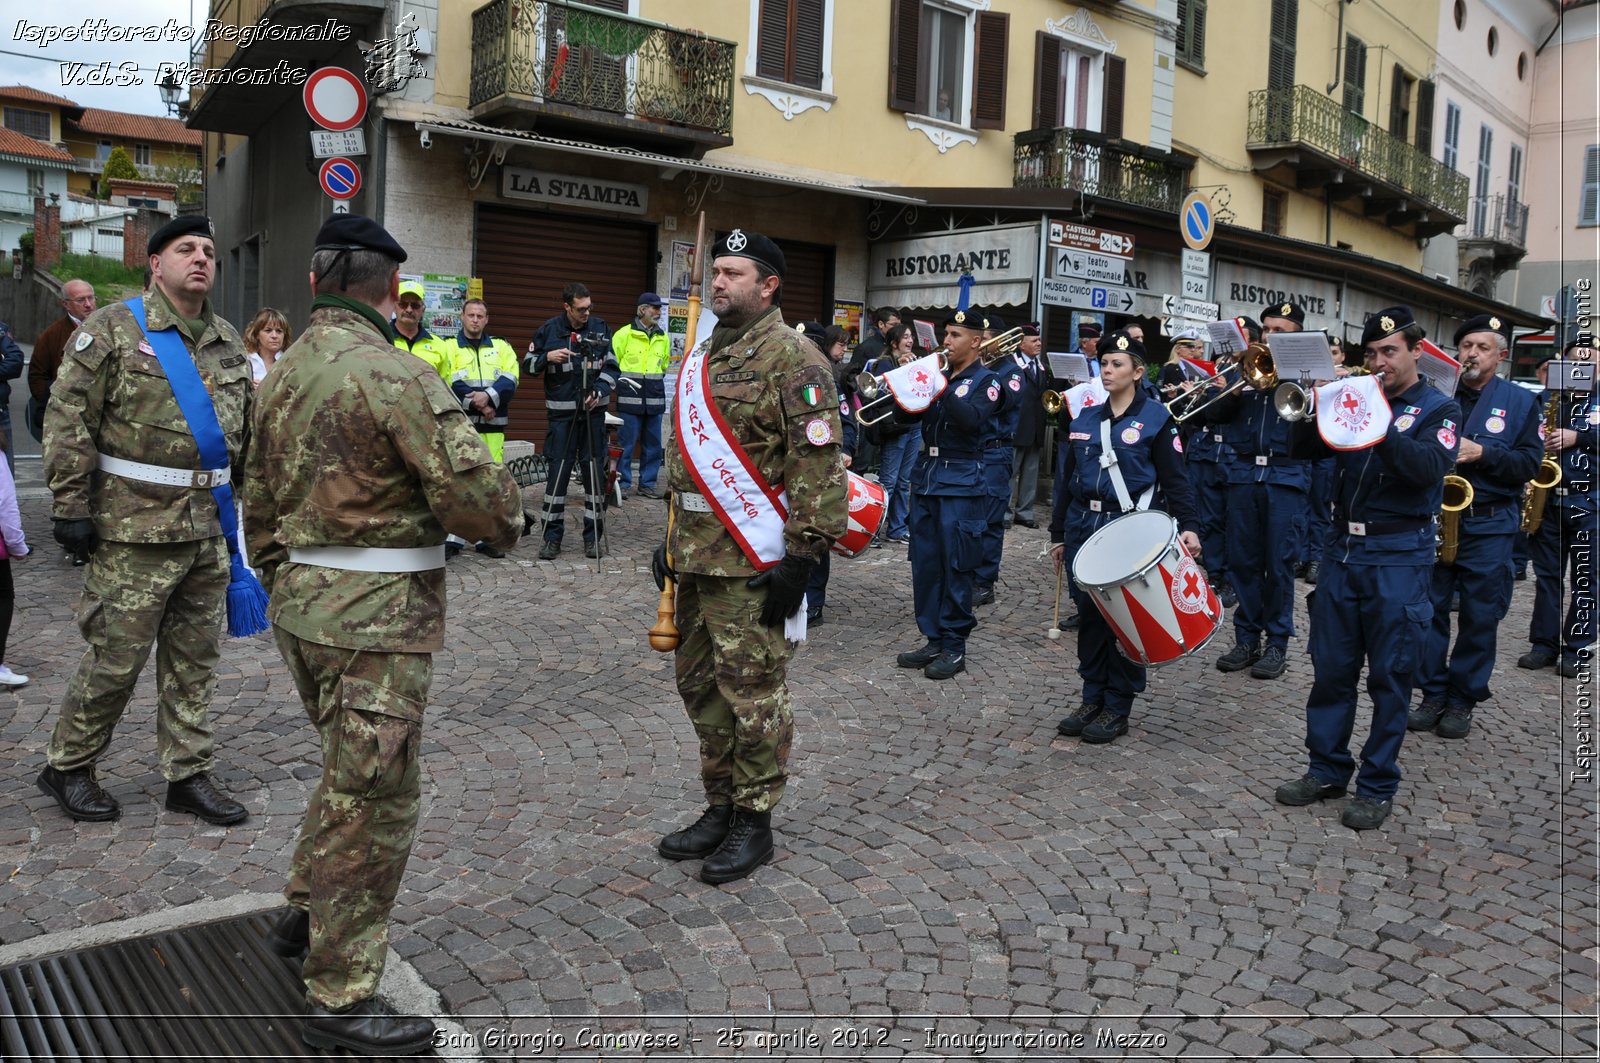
<point x="335" y="98"/>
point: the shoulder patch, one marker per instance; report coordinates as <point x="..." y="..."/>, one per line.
<point x="85" y="339"/>
<point x="819" y="433"/>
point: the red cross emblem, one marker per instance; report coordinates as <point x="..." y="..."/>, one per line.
<point x="920" y="376"/>
<point x="1191" y="585"/>
<point x="1351" y="403"/>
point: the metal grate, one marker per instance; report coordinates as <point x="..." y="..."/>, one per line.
<point x="208" y="992"/>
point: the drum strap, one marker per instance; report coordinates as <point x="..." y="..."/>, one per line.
<point x="1108" y="462"/>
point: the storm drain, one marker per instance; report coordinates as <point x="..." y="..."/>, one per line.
<point x="208" y="992"/>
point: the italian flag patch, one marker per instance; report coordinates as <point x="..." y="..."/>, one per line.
<point x="811" y="394"/>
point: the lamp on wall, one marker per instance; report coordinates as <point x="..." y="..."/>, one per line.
<point x="170" y="87"/>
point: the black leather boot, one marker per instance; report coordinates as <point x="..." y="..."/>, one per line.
<point x="370" y="1027"/>
<point x="291" y="934"/>
<point x="747" y="846"/>
<point x="701" y="838"/>
<point x="79" y="795"/>
<point x="199" y="796"/>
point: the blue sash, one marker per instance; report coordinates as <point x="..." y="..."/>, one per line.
<point x="247" y="599"/>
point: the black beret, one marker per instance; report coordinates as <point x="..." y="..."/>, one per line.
<point x="1249" y="325"/>
<point x="1088" y="330"/>
<point x="993" y="322"/>
<point x="968" y="319"/>
<point x="357" y="232"/>
<point x="1030" y="329"/>
<point x="755" y="247"/>
<point x="1287" y="311"/>
<point x="1120" y="341"/>
<point x="1484" y="323"/>
<point x="1386" y="323"/>
<point x="811" y="330"/>
<point x="1545" y="355"/>
<point x="187" y="225"/>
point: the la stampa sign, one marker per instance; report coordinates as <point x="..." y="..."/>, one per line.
<point x="559" y="189"/>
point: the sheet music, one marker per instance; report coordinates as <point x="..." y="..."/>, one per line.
<point x="1071" y="367"/>
<point x="1301" y="355"/>
<point x="1226" y="337"/>
<point x="925" y="335"/>
<point x="1438" y="368"/>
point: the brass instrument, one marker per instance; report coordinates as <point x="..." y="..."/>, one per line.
<point x="1053" y="401"/>
<point x="1297" y="402"/>
<point x="1457" y="497"/>
<point x="1005" y="345"/>
<point x="1548" y="474"/>
<point x="1255" y="368"/>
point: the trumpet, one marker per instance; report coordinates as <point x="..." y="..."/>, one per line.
<point x="875" y="393"/>
<point x="1297" y="402"/>
<point x="1053" y="401"/>
<point x="1255" y="368"/>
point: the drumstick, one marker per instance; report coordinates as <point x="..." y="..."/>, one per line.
<point x="1055" y="628"/>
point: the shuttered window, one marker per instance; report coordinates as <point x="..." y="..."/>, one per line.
<point x="1281" y="44"/>
<point x="1424" y="139"/>
<point x="807" y="282"/>
<point x="1046" y="80"/>
<point x="1192" y="32"/>
<point x="1400" y="103"/>
<point x="1355" y="74"/>
<point x="1589" y="200"/>
<point x="1116" y="79"/>
<point x="989" y="71"/>
<point x="905" y="50"/>
<point x="1452" y="135"/>
<point x="789" y="44"/>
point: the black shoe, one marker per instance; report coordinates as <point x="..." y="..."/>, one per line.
<point x="918" y="658"/>
<point x="1239" y="658"/>
<point x="1027" y="523"/>
<point x="1312" y="571"/>
<point x="946" y="666"/>
<point x="529" y="522"/>
<point x="1456" y="722"/>
<point x="291" y="934"/>
<point x="1306" y="790"/>
<point x="370" y="1028"/>
<point x="549" y="550"/>
<point x="1072" y="725"/>
<point x="1228" y="597"/>
<point x="451" y="551"/>
<point x="1071" y="623"/>
<point x="651" y="492"/>
<point x="79" y="795"/>
<point x="747" y="846"/>
<point x="1536" y="658"/>
<point x="1105" y="727"/>
<point x="1270" y="665"/>
<point x="1521" y="575"/>
<point x="1366" y="813"/>
<point x="490" y="551"/>
<point x="699" y="839"/>
<point x="1006" y="524"/>
<point x="1425" y="716"/>
<point x="1567" y="667"/>
<point x="984" y="595"/>
<point x="813" y="618"/>
<point x="591" y="550"/>
<point x="1455" y="602"/>
<point x="79" y="560"/>
<point x="199" y="796"/>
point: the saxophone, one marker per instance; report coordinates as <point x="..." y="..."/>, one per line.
<point x="1457" y="497"/>
<point x="1548" y="474"/>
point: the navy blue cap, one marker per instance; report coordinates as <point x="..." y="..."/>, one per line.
<point x="1385" y="323"/>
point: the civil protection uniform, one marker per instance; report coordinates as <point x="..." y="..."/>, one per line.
<point x="575" y="437"/>
<point x="1503" y="419"/>
<point x="1028" y="441"/>
<point x="998" y="458"/>
<point x="363" y="461"/>
<point x="950" y="506"/>
<point x="775" y="392"/>
<point x="1149" y="453"/>
<point x="160" y="573"/>
<point x="486" y="364"/>
<point x="1372" y="602"/>
<point x="1565" y="541"/>
<point x="642" y="355"/>
<point x="428" y="347"/>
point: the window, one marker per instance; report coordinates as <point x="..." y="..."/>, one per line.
<point x="1281" y="44"/>
<point x="1192" y="32"/>
<point x="35" y="183"/>
<point x="1514" y="177"/>
<point x="949" y="61"/>
<point x="1522" y="66"/>
<point x="1077" y="89"/>
<point x="141" y="154"/>
<point x="102" y="152"/>
<point x="1452" y="135"/>
<point x="1461" y="14"/>
<point x="1424" y="139"/>
<point x="1589" y="201"/>
<point x="1273" y="203"/>
<point x="789" y="43"/>
<point x="1480" y="202"/>
<point x="1400" y="103"/>
<point x="1494" y="40"/>
<point x="35" y="124"/>
<point x="1355" y="74"/>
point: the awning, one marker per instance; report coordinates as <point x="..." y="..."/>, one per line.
<point x="475" y="131"/>
<point x="1001" y="293"/>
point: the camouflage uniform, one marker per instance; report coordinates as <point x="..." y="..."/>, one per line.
<point x="770" y="385"/>
<point x="366" y="447"/>
<point x="160" y="573"/>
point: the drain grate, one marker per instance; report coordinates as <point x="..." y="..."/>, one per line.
<point x="208" y="992"/>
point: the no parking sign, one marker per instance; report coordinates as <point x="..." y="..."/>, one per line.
<point x="340" y="178"/>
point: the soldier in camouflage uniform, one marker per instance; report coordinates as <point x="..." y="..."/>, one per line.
<point x="372" y="462"/>
<point x="160" y="565"/>
<point x="776" y="393"/>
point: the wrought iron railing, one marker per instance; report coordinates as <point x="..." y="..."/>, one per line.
<point x="1096" y="165"/>
<point x="1302" y="115"/>
<point x="549" y="51"/>
<point x="1498" y="218"/>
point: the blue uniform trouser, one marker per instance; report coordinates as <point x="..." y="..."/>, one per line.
<point x="568" y="447"/>
<point x="946" y="549"/>
<point x="1378" y="614"/>
<point x="1210" y="480"/>
<point x="1109" y="678"/>
<point x="1565" y="542"/>
<point x="634" y="427"/>
<point x="817" y="585"/>
<point x="997" y="485"/>
<point x="1482" y="573"/>
<point x="1261" y="559"/>
<point x="1319" y="511"/>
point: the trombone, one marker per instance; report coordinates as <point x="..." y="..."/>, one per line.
<point x="1005" y="345"/>
<point x="1255" y="368"/>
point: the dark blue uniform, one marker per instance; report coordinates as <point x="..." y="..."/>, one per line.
<point x="1566" y="538"/>
<point x="1149" y="454"/>
<point x="1208" y="452"/>
<point x="1503" y="419"/>
<point x="950" y="505"/>
<point x="998" y="455"/>
<point x="574" y="437"/>
<point x="1372" y="602"/>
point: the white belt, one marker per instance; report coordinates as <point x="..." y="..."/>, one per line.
<point x="163" y="474"/>
<point x="370" y="558"/>
<point x="693" y="503"/>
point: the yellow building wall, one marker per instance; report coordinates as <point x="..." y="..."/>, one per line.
<point x="85" y="146"/>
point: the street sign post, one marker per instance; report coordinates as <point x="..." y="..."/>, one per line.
<point x="1090" y="265"/>
<point x="1198" y="310"/>
<point x="1068" y="291"/>
<point x="1197" y="222"/>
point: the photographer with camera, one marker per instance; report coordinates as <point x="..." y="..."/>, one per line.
<point x="573" y="352"/>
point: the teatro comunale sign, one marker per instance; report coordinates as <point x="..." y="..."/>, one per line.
<point x="568" y="190"/>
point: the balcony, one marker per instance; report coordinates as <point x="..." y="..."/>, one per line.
<point x="1096" y="165"/>
<point x="570" y="69"/>
<point x="1300" y="137"/>
<point x="19" y="204"/>
<point x="1496" y="234"/>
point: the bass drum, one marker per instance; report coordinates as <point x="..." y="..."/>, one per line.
<point x="867" y="506"/>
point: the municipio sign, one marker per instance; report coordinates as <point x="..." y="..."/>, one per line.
<point x="335" y="98"/>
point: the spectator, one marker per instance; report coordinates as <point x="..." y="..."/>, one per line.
<point x="77" y="299"/>
<point x="899" y="442"/>
<point x="10" y="369"/>
<point x="264" y="339"/>
<point x="13" y="543"/>
<point x="642" y="351"/>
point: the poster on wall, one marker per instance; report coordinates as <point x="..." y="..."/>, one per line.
<point x="847" y="314"/>
<point x="443" y="294"/>
<point x="681" y="250"/>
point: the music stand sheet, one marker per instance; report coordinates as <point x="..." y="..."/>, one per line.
<point x="1226" y="337"/>
<point x="1073" y="367"/>
<point x="1301" y="356"/>
<point x="1438" y="368"/>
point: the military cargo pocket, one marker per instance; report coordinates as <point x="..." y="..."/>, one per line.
<point x="380" y="739"/>
<point x="967" y="551"/>
<point x="1412" y="632"/>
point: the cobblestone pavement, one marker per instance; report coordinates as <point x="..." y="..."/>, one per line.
<point x="951" y="876"/>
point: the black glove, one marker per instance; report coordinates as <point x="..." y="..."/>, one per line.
<point x="78" y="536"/>
<point x="661" y="569"/>
<point x="786" y="588"/>
<point x="528" y="522"/>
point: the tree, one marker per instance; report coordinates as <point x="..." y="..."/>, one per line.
<point x="118" y="168"/>
<point x="186" y="179"/>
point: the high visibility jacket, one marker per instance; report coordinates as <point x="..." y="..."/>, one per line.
<point x="426" y="345"/>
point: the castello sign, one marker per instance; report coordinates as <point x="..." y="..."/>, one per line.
<point x="559" y="189"/>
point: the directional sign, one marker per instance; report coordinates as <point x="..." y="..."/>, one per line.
<point x="1090" y="265"/>
<point x="340" y="178"/>
<point x="1175" y="306"/>
<point x="1171" y="326"/>
<point x="325" y="143"/>
<point x="1078" y="293"/>
<point x="1082" y="237"/>
<point x="335" y="98"/>
<point x="341" y="206"/>
<point x="1196" y="221"/>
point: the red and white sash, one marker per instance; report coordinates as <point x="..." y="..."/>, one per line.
<point x="751" y="509"/>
